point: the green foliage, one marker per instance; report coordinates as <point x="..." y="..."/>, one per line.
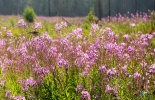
<point x="91" y="18"/>
<point x="12" y="22"/>
<point x="29" y="14"/>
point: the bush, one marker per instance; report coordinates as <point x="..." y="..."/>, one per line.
<point x="91" y="18"/>
<point x="29" y="14"/>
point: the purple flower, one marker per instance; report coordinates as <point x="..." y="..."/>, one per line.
<point x="124" y="68"/>
<point x="136" y="75"/>
<point x="8" y="94"/>
<point x="22" y="50"/>
<point x="9" y="33"/>
<point x="21" y="23"/>
<point x="78" y="33"/>
<point x="85" y="95"/>
<point x="42" y="70"/>
<point x="37" y="25"/>
<point x="86" y="70"/>
<point x="131" y="49"/>
<point x="4" y="68"/>
<point x="30" y="82"/>
<point x="63" y="62"/>
<point x="94" y="28"/>
<point x="60" y="25"/>
<point x="52" y="51"/>
<point x="19" y="98"/>
<point x="152" y="68"/>
<point x="79" y="87"/>
<point x="110" y="47"/>
<point x="154" y="51"/>
<point x="112" y="71"/>
<point x="126" y="37"/>
<point x="103" y="68"/>
<point x="2" y="82"/>
<point x="108" y="89"/>
<point x="153" y="34"/>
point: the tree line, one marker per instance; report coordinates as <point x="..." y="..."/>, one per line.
<point x="71" y="8"/>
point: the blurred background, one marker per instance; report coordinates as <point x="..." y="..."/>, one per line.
<point x="72" y="8"/>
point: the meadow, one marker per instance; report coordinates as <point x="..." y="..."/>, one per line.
<point x="77" y="59"/>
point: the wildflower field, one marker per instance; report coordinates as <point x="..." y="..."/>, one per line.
<point x="63" y="60"/>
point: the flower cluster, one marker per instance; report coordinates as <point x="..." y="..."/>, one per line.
<point x="95" y="66"/>
<point x="21" y="23"/>
<point x="60" y="26"/>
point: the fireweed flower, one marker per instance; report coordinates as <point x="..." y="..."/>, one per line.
<point x="11" y="50"/>
<point x="86" y="70"/>
<point x="37" y="25"/>
<point x="8" y="94"/>
<point x="9" y="33"/>
<point x="152" y="68"/>
<point x="63" y="62"/>
<point x="19" y="98"/>
<point x="103" y="68"/>
<point x="79" y="50"/>
<point x="83" y="59"/>
<point x="131" y="49"/>
<point x="111" y="48"/>
<point x="2" y="82"/>
<point x="94" y="28"/>
<point x="3" y="68"/>
<point x="30" y="82"/>
<point x="146" y="36"/>
<point x="52" y="51"/>
<point x="106" y="30"/>
<point x="79" y="87"/>
<point x="108" y="89"/>
<point x="41" y="70"/>
<point x="124" y="69"/>
<point x="136" y="75"/>
<point x="85" y="95"/>
<point x="93" y="55"/>
<point x="60" y="25"/>
<point x="126" y="37"/>
<point x="143" y="64"/>
<point x="2" y="44"/>
<point x="66" y="44"/>
<point x="111" y="71"/>
<point x="21" y="23"/>
<point x="153" y="34"/>
<point x="22" y="50"/>
<point x="78" y="33"/>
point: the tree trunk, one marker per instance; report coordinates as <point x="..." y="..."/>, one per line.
<point x="109" y="10"/>
<point x="99" y="10"/>
<point x="49" y="8"/>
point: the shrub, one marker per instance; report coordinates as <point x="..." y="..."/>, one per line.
<point x="29" y="14"/>
<point x="91" y="18"/>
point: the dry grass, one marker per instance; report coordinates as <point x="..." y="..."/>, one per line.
<point x="49" y="20"/>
